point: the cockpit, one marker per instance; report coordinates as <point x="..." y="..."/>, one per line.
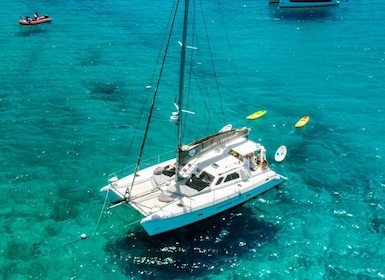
<point x="202" y="181"/>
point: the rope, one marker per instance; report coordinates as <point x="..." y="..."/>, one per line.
<point x="101" y="213"/>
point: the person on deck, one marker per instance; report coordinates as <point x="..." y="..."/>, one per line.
<point x="259" y="158"/>
<point x="246" y="162"/>
<point x="252" y="161"/>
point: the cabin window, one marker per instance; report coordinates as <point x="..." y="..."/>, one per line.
<point x="206" y="177"/>
<point x="219" y="181"/>
<point x="231" y="176"/>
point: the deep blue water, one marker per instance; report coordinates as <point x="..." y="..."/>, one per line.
<point x="73" y="104"/>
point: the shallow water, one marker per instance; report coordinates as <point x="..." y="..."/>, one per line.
<point x="73" y="106"/>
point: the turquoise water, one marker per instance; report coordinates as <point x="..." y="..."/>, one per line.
<point x="73" y="104"/>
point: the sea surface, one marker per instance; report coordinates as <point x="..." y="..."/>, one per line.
<point x="74" y="100"/>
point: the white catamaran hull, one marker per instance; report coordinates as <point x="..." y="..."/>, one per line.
<point x="164" y="220"/>
<point x="306" y="3"/>
<point x="215" y="180"/>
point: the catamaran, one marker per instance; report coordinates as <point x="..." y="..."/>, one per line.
<point x="304" y="3"/>
<point x="204" y="178"/>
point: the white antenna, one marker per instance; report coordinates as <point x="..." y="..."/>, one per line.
<point x="187" y="47"/>
<point x="186" y="111"/>
<point x="175" y="115"/>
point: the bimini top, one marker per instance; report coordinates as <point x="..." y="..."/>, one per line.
<point x="247" y="148"/>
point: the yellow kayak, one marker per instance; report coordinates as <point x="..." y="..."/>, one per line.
<point x="303" y="121"/>
<point x="256" y="115"/>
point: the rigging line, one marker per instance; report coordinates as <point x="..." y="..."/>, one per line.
<point x="212" y="63"/>
<point x="101" y="213"/>
<point x="169" y="23"/>
<point x="153" y="103"/>
<point x="193" y="73"/>
<point x="229" y="45"/>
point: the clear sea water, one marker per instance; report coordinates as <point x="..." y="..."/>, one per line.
<point x="73" y="104"/>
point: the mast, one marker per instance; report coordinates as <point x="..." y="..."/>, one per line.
<point x="181" y="85"/>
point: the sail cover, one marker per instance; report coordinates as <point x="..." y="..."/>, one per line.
<point x="204" y="145"/>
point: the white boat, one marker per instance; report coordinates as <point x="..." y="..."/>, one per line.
<point x="205" y="177"/>
<point x="305" y="3"/>
<point x="280" y="154"/>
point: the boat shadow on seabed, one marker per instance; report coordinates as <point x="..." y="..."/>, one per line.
<point x="199" y="248"/>
<point x="26" y="31"/>
<point x="304" y="14"/>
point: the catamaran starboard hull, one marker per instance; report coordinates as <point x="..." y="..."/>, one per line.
<point x="306" y="3"/>
<point x="160" y="222"/>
